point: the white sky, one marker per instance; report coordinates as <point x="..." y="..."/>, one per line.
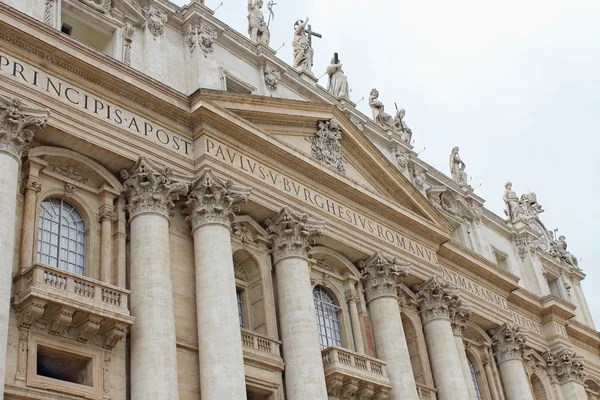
<point x="514" y="83"/>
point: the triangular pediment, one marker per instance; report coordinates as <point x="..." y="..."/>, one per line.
<point x="295" y="123"/>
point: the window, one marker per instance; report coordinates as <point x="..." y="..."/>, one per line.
<point x="67" y="29"/>
<point x="61" y="236"/>
<point x="501" y="260"/>
<point x="475" y="380"/>
<point x="92" y="32"/>
<point x="240" y="308"/>
<point x="67" y="367"/>
<point x="327" y="319"/>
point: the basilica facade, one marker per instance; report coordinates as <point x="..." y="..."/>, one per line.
<point x="186" y="216"/>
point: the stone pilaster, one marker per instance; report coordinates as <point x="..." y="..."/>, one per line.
<point x="210" y="208"/>
<point x="106" y="216"/>
<point x="292" y="234"/>
<point x="565" y="368"/>
<point x="380" y="276"/>
<point x="438" y="302"/>
<point x="31" y="188"/>
<point x="17" y="127"/>
<point x="352" y="300"/>
<point x="151" y="190"/>
<point x="509" y="344"/>
<point x="458" y="319"/>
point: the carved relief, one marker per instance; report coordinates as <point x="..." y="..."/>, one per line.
<point x="351" y="295"/>
<point x="106" y="372"/>
<point x="18" y="125"/>
<point x="202" y="37"/>
<point x="525" y="246"/>
<point x="564" y="366"/>
<point x="438" y="299"/>
<point x="245" y="233"/>
<point x="150" y="187"/>
<point x="357" y="122"/>
<point x="381" y="274"/>
<point x="156" y="21"/>
<point x="508" y="342"/>
<point x="31" y="313"/>
<point x="106" y="212"/>
<point x="99" y="5"/>
<point x="402" y="159"/>
<point x="127" y="40"/>
<point x="458" y="318"/>
<point x="213" y="200"/>
<point x="272" y="78"/>
<point x="325" y="145"/>
<point x="292" y="234"/>
<point x="558" y="249"/>
<point x="88" y="329"/>
<point x="60" y="321"/>
<point x="23" y="350"/>
<point x="49" y="12"/>
<point x="70" y="172"/>
<point x="113" y="335"/>
<point x="526" y="208"/>
<point x="69" y="190"/>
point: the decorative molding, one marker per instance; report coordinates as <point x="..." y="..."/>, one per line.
<point x="292" y="234"/>
<point x="212" y="200"/>
<point x="564" y="366"/>
<point x="402" y="159"/>
<point x="155" y="21"/>
<point x="28" y="315"/>
<point x="525" y="245"/>
<point x="107" y="212"/>
<point x="245" y="233"/>
<point x="272" y="78"/>
<point x="326" y="146"/>
<point x="102" y="7"/>
<point x="88" y="329"/>
<point x="438" y="299"/>
<point x="381" y="275"/>
<point x="106" y="372"/>
<point x="69" y="190"/>
<point x="113" y="335"/>
<point x="31" y="184"/>
<point x="151" y="188"/>
<point x="508" y="342"/>
<point x="18" y="125"/>
<point x="351" y="295"/>
<point x="23" y="350"/>
<point x="61" y="321"/>
<point x="49" y="12"/>
<point x="70" y="172"/>
<point x="203" y="37"/>
<point x="128" y="32"/>
<point x="458" y="318"/>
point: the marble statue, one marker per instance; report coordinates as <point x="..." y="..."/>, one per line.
<point x="257" y="27"/>
<point x="380" y="117"/>
<point x="457" y="167"/>
<point x="558" y="249"/>
<point x="511" y="201"/>
<point x="524" y="208"/>
<point x="303" y="53"/>
<point x="338" y="83"/>
<point x="401" y="127"/>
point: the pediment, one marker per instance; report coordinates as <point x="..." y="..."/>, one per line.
<point x="295" y="124"/>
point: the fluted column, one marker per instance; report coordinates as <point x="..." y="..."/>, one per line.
<point x="438" y="299"/>
<point x="211" y="204"/>
<point x="351" y="299"/>
<point x="32" y="188"/>
<point x="292" y="236"/>
<point x="458" y="318"/>
<point x="106" y="217"/>
<point x="566" y="368"/>
<point x="509" y="343"/>
<point x="17" y="127"/>
<point x="380" y="276"/>
<point x="151" y="190"/>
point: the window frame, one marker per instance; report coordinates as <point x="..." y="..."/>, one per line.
<point x="339" y="341"/>
<point x="475" y="379"/>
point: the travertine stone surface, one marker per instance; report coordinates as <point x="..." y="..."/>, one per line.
<point x="509" y="343"/>
<point x="458" y="319"/>
<point x="153" y="339"/>
<point x="32" y="187"/>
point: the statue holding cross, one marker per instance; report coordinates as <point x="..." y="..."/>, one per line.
<point x="302" y="45"/>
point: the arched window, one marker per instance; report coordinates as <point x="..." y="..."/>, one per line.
<point x="475" y="380"/>
<point x="328" y="323"/>
<point x="61" y="236"/>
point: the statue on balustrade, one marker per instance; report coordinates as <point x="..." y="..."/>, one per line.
<point x="558" y="249"/>
<point x="401" y="127"/>
<point x="257" y="27"/>
<point x="303" y="52"/>
<point x="338" y="83"/>
<point x="457" y="168"/>
<point x="525" y="208"/>
<point x="381" y="118"/>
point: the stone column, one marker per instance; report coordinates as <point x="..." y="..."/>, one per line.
<point x="17" y="126"/>
<point x="32" y="188"/>
<point x="106" y="217"/>
<point x="509" y="343"/>
<point x="566" y="368"/>
<point x="438" y="299"/>
<point x="380" y="276"/>
<point x="292" y="236"/>
<point x="210" y="208"/>
<point x="351" y="299"/>
<point x="459" y="317"/>
<point x="151" y="190"/>
<point x="491" y="380"/>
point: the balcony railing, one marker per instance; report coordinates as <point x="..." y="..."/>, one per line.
<point x="348" y="373"/>
<point x="261" y="343"/>
<point x="94" y="307"/>
<point x="425" y="392"/>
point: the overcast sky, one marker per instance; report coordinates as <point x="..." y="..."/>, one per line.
<point x="515" y="84"/>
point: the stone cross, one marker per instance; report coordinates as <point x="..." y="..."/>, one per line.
<point x="310" y="34"/>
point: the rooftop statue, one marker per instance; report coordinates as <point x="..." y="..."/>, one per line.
<point x="457" y="167"/>
<point x="524" y="208"/>
<point x="338" y="83"/>
<point x="380" y="117"/>
<point x="558" y="249"/>
<point x="303" y="52"/>
<point x="257" y="27"/>
<point x="401" y="127"/>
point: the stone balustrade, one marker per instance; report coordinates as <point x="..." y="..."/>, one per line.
<point x="261" y="343"/>
<point x="425" y="392"/>
<point x="68" y="300"/>
<point x="348" y="373"/>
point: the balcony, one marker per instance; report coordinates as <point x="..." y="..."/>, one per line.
<point x="425" y="392"/>
<point x="71" y="304"/>
<point x="261" y="350"/>
<point x="350" y="374"/>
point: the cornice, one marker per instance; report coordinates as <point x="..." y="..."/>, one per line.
<point x="583" y="333"/>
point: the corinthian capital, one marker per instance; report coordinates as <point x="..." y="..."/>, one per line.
<point x="564" y="366"/>
<point x="292" y="234"/>
<point x="212" y="200"/>
<point x="438" y="299"/>
<point x="508" y="342"/>
<point x="458" y="318"/>
<point x="151" y="188"/>
<point x="17" y="126"/>
<point x="381" y="274"/>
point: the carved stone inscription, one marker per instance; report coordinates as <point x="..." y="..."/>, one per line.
<point x="73" y="96"/>
<point x="313" y="198"/>
<point x="474" y="288"/>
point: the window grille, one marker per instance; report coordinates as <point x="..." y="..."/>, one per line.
<point x="327" y="319"/>
<point x="61" y="236"/>
<point x="475" y="380"/>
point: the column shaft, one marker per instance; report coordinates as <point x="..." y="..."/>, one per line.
<point x="464" y="362"/>
<point x="153" y="339"/>
<point x="514" y="380"/>
<point x="489" y="375"/>
<point x="106" y="250"/>
<point x="304" y="375"/>
<point x="8" y="208"/>
<point x="390" y="343"/>
<point x="219" y="338"/>
<point x="509" y="344"/>
<point x="356" y="331"/>
<point x="28" y="225"/>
